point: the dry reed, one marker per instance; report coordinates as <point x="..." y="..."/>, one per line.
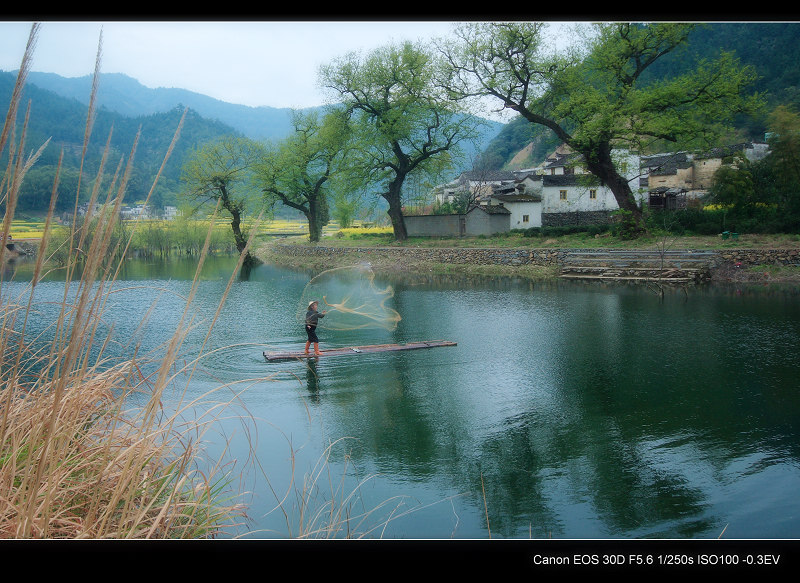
<point x="74" y="463"/>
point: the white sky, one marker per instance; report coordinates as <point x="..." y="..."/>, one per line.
<point x="250" y="63"/>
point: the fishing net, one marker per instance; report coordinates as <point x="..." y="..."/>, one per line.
<point x="350" y="298"/>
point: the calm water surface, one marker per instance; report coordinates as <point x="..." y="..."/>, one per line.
<point x="566" y="410"/>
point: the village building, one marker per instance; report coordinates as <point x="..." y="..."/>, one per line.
<point x="171" y="213"/>
<point x="132" y="213"/>
<point x="569" y="194"/>
<point x="675" y="179"/>
<point x="477" y="184"/>
<point x="560" y="191"/>
<point x="525" y="210"/>
<point x="479" y="220"/>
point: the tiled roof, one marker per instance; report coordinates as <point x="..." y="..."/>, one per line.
<point x="569" y="180"/>
<point x="516" y="198"/>
<point x="667" y="164"/>
<point x="491" y="209"/>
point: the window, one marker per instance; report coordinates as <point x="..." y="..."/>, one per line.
<point x="525" y="218"/>
<point x="562" y="194"/>
<point x="592" y="194"/>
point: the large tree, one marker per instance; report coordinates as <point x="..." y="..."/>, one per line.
<point x="221" y="172"/>
<point x="767" y="190"/>
<point x="600" y="98"/>
<point x="783" y="163"/>
<point x="299" y="170"/>
<point x="403" y="122"/>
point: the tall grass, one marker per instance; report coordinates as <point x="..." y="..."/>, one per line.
<point x="152" y="238"/>
<point x="76" y="459"/>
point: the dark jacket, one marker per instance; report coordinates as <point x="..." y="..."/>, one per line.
<point x="312" y="317"/>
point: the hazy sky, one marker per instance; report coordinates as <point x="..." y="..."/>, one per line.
<point x="250" y="63"/>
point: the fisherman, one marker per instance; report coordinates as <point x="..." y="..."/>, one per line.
<point x="312" y="317"/>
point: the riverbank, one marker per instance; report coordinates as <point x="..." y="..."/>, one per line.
<point x="749" y="258"/>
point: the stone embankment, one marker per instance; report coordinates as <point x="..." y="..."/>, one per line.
<point x="748" y="257"/>
<point x="678" y="266"/>
<point x="639" y="265"/>
<point x="450" y="255"/>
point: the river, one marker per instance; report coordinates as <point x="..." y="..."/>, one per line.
<point x="566" y="409"/>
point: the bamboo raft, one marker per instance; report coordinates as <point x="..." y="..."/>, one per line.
<point x="351" y="350"/>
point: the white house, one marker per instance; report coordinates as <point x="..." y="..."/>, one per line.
<point x="560" y="191"/>
<point x="565" y="193"/>
<point x="525" y="209"/>
<point x="568" y="194"/>
<point x="135" y="212"/>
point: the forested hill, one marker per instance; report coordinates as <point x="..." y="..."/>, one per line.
<point x="63" y="121"/>
<point x="772" y="48"/>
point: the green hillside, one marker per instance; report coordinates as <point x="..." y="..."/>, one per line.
<point x="63" y="121"/>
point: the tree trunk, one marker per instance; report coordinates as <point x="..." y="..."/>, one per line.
<point x="236" y="222"/>
<point x="395" y="211"/>
<point x="600" y="163"/>
<point x="249" y="260"/>
<point x="314" y="227"/>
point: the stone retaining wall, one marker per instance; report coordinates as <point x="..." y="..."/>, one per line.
<point x="759" y="256"/>
<point x="516" y="256"/>
<point x="482" y="256"/>
<point x="577" y="218"/>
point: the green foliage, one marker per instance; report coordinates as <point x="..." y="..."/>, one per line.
<point x="772" y="49"/>
<point x="404" y="124"/>
<point x="626" y="226"/>
<point x="689" y="221"/>
<point x="223" y="170"/>
<point x="782" y="167"/>
<point x="446" y="208"/>
<point x="764" y="196"/>
<point x="734" y="187"/>
<point x="344" y="209"/>
<point x="302" y="170"/>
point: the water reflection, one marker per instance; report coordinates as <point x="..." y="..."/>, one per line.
<point x="566" y="409"/>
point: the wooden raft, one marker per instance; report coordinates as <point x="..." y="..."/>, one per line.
<point x="350" y="350"/>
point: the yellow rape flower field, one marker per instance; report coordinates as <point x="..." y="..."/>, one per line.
<point x="32" y="229"/>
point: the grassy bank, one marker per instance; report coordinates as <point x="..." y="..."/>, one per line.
<point x="583" y="240"/>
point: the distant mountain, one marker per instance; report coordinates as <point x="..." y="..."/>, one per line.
<point x="126" y="96"/>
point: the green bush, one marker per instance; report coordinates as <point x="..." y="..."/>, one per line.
<point x="754" y="219"/>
